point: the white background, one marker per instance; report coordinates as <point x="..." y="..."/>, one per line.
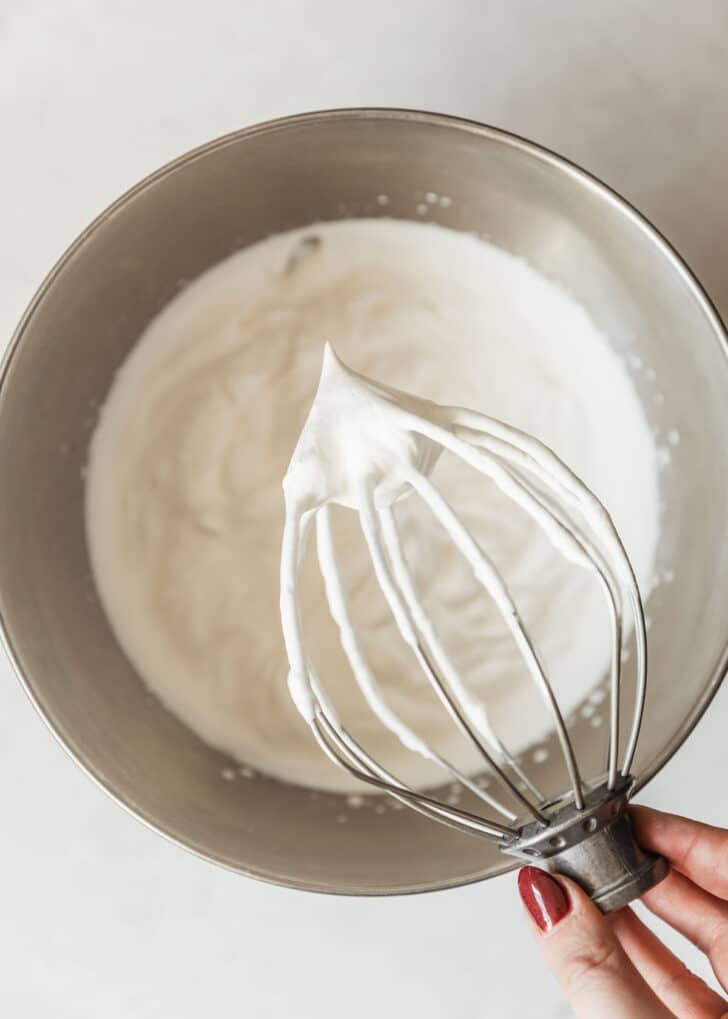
<point x="98" y="916"/>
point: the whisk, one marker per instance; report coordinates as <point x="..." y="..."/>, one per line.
<point x="364" y="446"/>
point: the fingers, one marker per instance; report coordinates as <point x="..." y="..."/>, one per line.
<point x="699" y="916"/>
<point x="673" y="983"/>
<point x="584" y="953"/>
<point x="697" y="850"/>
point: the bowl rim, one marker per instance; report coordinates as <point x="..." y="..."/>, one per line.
<point x="535" y="150"/>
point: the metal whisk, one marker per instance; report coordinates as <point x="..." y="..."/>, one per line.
<point x="585" y="832"/>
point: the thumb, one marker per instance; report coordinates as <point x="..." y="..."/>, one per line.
<point x="583" y="952"/>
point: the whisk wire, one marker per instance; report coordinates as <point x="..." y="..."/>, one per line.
<point x="612" y="593"/>
<point x="367" y="770"/>
<point x="473" y="708"/>
<point x="371" y="529"/>
<point x="357" y="662"/>
<point x="537" y="457"/>
<point x="490" y="578"/>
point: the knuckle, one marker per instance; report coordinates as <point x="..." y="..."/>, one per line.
<point x="593" y="963"/>
<point x="706" y="846"/>
<point x="693" y="850"/>
<point x="717" y="952"/>
<point x="721" y="863"/>
<point x="681" y="986"/>
<point x="681" y="981"/>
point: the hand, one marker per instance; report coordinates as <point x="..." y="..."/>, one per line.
<point x="614" y="967"/>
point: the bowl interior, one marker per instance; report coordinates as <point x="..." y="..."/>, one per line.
<point x="194" y="213"/>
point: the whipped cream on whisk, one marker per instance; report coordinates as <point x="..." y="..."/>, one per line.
<point x="185" y="515"/>
<point x="365" y="446"/>
<point x="355" y="438"/>
<point x="354" y="448"/>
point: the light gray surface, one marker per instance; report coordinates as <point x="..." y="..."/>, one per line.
<point x="105" y="918"/>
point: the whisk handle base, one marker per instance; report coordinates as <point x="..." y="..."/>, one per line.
<point x="611" y="867"/>
<point x="596" y="847"/>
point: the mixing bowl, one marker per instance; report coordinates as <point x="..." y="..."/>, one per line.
<point x="189" y="215"/>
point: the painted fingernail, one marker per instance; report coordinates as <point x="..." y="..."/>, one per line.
<point x="543" y="897"/>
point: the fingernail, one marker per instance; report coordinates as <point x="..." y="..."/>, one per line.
<point x="543" y="897"/>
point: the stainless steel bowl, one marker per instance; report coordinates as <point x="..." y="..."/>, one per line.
<point x="132" y="260"/>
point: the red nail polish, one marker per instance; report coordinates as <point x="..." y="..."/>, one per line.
<point x="543" y="897"/>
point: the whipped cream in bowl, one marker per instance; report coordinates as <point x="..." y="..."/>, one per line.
<point x="184" y="506"/>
